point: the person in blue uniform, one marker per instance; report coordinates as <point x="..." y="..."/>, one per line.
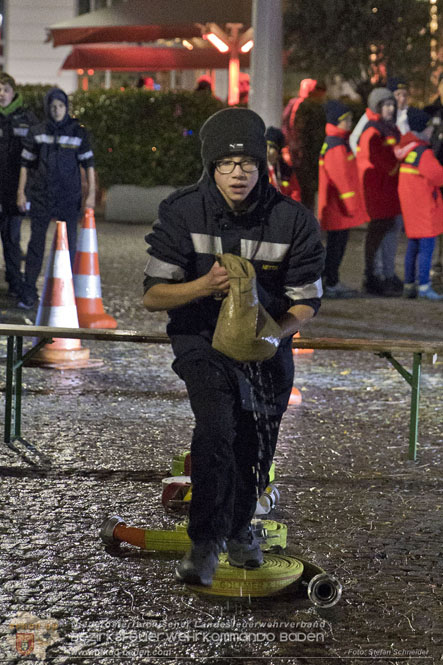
<point x="54" y="151"/>
<point x="15" y="121"/>
<point x="237" y="407"/>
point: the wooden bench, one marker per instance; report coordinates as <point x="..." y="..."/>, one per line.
<point x="15" y="361"/>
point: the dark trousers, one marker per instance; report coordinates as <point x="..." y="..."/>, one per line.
<point x="36" y="247"/>
<point x="336" y="242"/>
<point x="231" y="453"/>
<point x="377" y="230"/>
<point x="10" y="233"/>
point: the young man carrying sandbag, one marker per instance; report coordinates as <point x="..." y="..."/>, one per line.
<point x="237" y="402"/>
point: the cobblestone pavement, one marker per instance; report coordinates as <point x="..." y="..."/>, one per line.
<point x="352" y="500"/>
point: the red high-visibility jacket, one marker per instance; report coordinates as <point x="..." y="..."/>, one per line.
<point x="378" y="167"/>
<point x="420" y="179"/>
<point x="340" y="204"/>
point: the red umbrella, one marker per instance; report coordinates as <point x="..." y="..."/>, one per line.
<point x="145" y="58"/>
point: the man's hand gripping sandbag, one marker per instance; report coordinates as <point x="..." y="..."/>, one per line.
<point x="245" y="331"/>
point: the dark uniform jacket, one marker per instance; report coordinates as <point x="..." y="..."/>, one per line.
<point x="280" y="238"/>
<point x="53" y="152"/>
<point x="15" y="122"/>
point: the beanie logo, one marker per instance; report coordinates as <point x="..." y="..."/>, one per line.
<point x="236" y="146"/>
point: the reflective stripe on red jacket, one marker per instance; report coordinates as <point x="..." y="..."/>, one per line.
<point x="420" y="179"/>
<point x="340" y="204"/>
<point x="378" y="167"/>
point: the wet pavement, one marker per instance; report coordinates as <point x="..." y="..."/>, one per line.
<point x="351" y="499"/>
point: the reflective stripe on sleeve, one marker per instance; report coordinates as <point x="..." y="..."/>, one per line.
<point x="409" y="169"/>
<point x="314" y="290"/>
<point x="28" y="155"/>
<point x="390" y="141"/>
<point x="347" y="195"/>
<point x="206" y="244"/>
<point x="350" y="157"/>
<point x="21" y="131"/>
<point x="85" y="155"/>
<point x="158" y="268"/>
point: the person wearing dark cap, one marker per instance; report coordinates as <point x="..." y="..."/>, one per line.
<point x="400" y="89"/>
<point x="378" y="175"/>
<point x="281" y="175"/>
<point x="53" y="153"/>
<point x="237" y="406"/>
<point x="15" y="121"/>
<point x="420" y="180"/>
<point x="340" y="204"/>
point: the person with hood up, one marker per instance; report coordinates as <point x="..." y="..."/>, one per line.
<point x="378" y="175"/>
<point x="302" y="123"/>
<point x="237" y="406"/>
<point x="340" y="204"/>
<point x="281" y="175"/>
<point x="54" y="151"/>
<point x="15" y="121"/>
<point x="420" y="180"/>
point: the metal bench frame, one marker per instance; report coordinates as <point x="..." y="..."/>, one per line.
<point x="16" y="360"/>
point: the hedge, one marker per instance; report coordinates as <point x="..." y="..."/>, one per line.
<point x="139" y="137"/>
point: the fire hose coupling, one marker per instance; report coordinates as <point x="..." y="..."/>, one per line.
<point x="324" y="590"/>
<point x="107" y="529"/>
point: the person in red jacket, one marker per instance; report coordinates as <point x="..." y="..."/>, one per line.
<point x="281" y="175"/>
<point x="420" y="179"/>
<point x="378" y="174"/>
<point x="340" y="205"/>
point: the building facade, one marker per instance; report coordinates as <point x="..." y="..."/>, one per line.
<point x="25" y="53"/>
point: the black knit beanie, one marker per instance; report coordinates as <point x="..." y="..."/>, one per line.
<point x="233" y="131"/>
<point x="275" y="137"/>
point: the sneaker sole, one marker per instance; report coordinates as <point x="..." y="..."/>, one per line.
<point x="249" y="565"/>
<point x="191" y="579"/>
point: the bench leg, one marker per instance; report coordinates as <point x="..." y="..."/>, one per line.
<point x="415" y="399"/>
<point x="9" y="389"/>
<point x="13" y="402"/>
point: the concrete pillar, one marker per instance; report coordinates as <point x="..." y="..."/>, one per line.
<point x="221" y="84"/>
<point x="266" y="93"/>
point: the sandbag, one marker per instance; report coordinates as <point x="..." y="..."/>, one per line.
<point x="244" y="331"/>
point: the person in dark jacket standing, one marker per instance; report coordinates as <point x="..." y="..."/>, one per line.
<point x="15" y="121"/>
<point x="54" y="150"/>
<point x="378" y="174"/>
<point x="237" y="407"/>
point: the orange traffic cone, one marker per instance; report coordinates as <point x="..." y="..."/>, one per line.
<point x="299" y="351"/>
<point x="294" y="397"/>
<point x="57" y="308"/>
<point x="87" y="286"/>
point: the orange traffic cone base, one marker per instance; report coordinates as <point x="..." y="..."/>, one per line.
<point x="61" y="358"/>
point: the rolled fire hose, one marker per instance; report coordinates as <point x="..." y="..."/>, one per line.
<point x="276" y="574"/>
